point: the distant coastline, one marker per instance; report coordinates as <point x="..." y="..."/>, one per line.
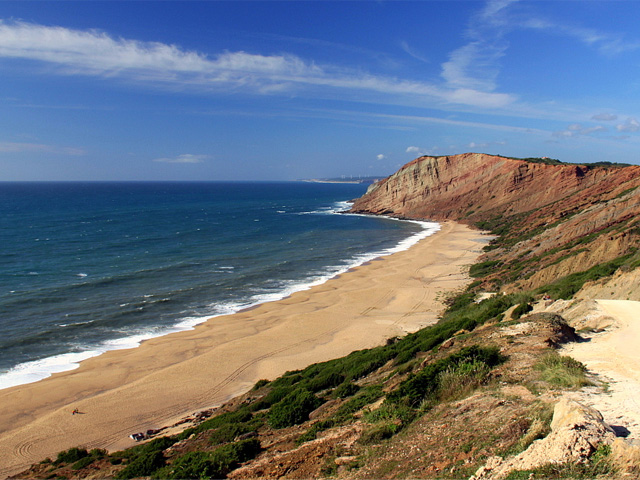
<point x="350" y="180"/>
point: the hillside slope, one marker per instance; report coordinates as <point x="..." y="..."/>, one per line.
<point x="485" y="393"/>
<point x="552" y="219"/>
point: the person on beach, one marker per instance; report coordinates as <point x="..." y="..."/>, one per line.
<point x="75" y="410"/>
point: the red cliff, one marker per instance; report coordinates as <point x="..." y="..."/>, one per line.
<point x="563" y="218"/>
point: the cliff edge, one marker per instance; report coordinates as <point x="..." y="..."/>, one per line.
<point x="551" y="219"/>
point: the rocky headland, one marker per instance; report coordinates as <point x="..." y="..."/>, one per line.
<point x="491" y="390"/>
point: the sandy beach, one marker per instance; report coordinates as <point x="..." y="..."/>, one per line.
<point x="167" y="378"/>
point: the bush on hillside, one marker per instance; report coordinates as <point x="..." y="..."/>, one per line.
<point x="293" y="409"/>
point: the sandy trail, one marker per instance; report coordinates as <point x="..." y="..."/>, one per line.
<point x="614" y="356"/>
<point x="167" y="378"/>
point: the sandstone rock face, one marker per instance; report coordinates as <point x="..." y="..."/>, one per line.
<point x="450" y="187"/>
<point x="569" y="217"/>
<point x="576" y="432"/>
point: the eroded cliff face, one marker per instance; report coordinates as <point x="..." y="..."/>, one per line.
<point x="566" y="218"/>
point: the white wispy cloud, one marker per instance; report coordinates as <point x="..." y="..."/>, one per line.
<point x="381" y="156"/>
<point x="184" y="158"/>
<point x="13" y="147"/>
<point x="630" y="125"/>
<point x="604" y="117"/>
<point x="413" y="53"/>
<point x="95" y="53"/>
<point x="608" y="43"/>
<point x="476" y="64"/>
<point x="577" y="129"/>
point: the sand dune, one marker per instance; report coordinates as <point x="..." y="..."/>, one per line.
<point x="166" y="378"/>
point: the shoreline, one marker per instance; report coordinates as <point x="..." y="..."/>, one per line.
<point x="169" y="377"/>
<point x="37" y="370"/>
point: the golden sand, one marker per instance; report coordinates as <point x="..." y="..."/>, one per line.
<point x="169" y="377"/>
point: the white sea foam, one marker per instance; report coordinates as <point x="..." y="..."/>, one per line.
<point x="33" y="371"/>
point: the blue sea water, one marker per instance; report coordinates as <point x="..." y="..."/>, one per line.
<point x="91" y="267"/>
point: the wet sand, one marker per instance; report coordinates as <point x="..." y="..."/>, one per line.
<point x="170" y="377"/>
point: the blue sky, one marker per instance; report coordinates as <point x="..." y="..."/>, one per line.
<point x="269" y="90"/>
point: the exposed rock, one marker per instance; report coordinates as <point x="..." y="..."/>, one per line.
<point x="581" y="216"/>
<point x="451" y="187"/>
<point x="560" y="331"/>
<point x="576" y="433"/>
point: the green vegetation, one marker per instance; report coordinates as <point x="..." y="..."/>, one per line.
<point x="239" y="416"/>
<point x="566" y="287"/>
<point x="521" y="310"/>
<point x="72" y="455"/>
<point x="483" y="268"/>
<point x="143" y="465"/>
<point x="473" y="363"/>
<point x="293" y="409"/>
<point x="598" y="466"/>
<point x="143" y="460"/>
<point x="562" y="371"/>
<point x="215" y="464"/>
<point x="95" y="454"/>
<point x="418" y="384"/>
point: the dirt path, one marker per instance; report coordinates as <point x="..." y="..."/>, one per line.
<point x="614" y="356"/>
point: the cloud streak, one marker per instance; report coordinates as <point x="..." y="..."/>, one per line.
<point x="95" y="53"/>
<point x="184" y="158"/>
<point x="13" y="147"/>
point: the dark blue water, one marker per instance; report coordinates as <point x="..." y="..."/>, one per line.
<point x="90" y="267"/>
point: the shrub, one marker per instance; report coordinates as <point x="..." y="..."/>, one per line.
<point x="260" y="384"/>
<point x="83" y="462"/>
<point x="328" y="380"/>
<point x="216" y="464"/>
<point x="483" y="268"/>
<point x="562" y="371"/>
<point x="143" y="465"/>
<point x="521" y="310"/>
<point x="237" y="416"/>
<point x="143" y="459"/>
<point x="425" y="384"/>
<point x="346" y="389"/>
<point x="274" y="396"/>
<point x="365" y="397"/>
<point x="293" y="409"/>
<point x="72" y="455"/>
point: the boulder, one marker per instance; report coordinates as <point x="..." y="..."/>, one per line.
<point x="576" y="432"/>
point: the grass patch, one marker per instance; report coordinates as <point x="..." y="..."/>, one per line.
<point x="466" y="366"/>
<point x="562" y="371"/>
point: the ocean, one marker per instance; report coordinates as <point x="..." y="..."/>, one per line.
<point x="91" y="267"/>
